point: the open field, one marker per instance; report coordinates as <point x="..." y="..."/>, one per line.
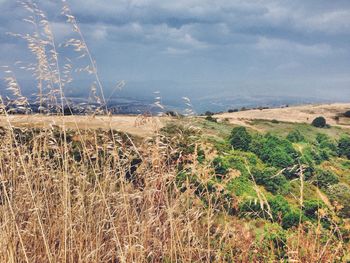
<point x="296" y="114"/>
<point x="146" y="126"/>
<point x="136" y="125"/>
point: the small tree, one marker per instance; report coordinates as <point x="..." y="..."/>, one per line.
<point x="240" y="139"/>
<point x="344" y="146"/>
<point x="347" y="114"/>
<point x="209" y="113"/>
<point x="319" y="122"/>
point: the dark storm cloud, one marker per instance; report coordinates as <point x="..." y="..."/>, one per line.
<point x="222" y="40"/>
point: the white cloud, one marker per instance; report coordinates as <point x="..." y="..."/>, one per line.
<point x="176" y="51"/>
<point x="330" y="22"/>
<point x="281" y="45"/>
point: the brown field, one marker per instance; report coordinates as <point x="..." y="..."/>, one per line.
<point x="135" y="125"/>
<point x="296" y="114"/>
<point x="146" y="126"/>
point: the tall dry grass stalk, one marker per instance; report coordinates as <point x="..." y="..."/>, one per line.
<point x="101" y="196"/>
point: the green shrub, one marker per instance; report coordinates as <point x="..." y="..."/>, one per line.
<point x="271" y="180"/>
<point x="201" y="156"/>
<point x="221" y="166"/>
<point x="274" y="235"/>
<point x="209" y="113"/>
<point x="295" y="136"/>
<point x="344" y="146"/>
<point x="347" y="114"/>
<point x="240" y="139"/>
<point x="279" y="207"/>
<point x="319" y="122"/>
<point x="237" y="160"/>
<point x="311" y="208"/>
<point x="291" y="219"/>
<point x="324" y="141"/>
<point x="324" y="178"/>
<point x="281" y="211"/>
<point x="275" y="151"/>
<point x="241" y="186"/>
<point x="211" y="118"/>
<point x="340" y="193"/>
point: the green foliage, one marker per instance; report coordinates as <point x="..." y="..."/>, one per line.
<point x="241" y="161"/>
<point x="271" y="179"/>
<point x="295" y="136"/>
<point x="291" y="219"/>
<point x="326" y="147"/>
<point x="324" y="178"/>
<point x="200" y="156"/>
<point x="340" y="193"/>
<point x="344" y="146"/>
<point x="281" y="211"/>
<point x="319" y="122"/>
<point x="273" y="150"/>
<point x="324" y="141"/>
<point x="279" y="207"/>
<point x="221" y="166"/>
<point x="311" y="208"/>
<point x="240" y="139"/>
<point x="276" y="236"/>
<point x="241" y="186"/>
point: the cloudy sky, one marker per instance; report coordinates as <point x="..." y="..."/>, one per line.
<point x="207" y="48"/>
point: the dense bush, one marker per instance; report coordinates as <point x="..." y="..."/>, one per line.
<point x="221" y="166"/>
<point x="295" y="136"/>
<point x="319" y="122"/>
<point x="325" y="142"/>
<point x="311" y="208"/>
<point x="241" y="186"/>
<point x="344" y="146"/>
<point x="273" y="150"/>
<point x="271" y="179"/>
<point x="241" y="161"/>
<point x="292" y="219"/>
<point x="324" y="178"/>
<point x="240" y="139"/>
<point x="326" y="147"/>
<point x="280" y="209"/>
<point x="347" y="114"/>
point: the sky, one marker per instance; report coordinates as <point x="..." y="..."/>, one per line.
<point x="207" y="49"/>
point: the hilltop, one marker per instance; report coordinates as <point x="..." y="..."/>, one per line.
<point x="293" y="114"/>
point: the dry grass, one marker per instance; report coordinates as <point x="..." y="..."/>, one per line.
<point x="297" y="114"/>
<point x="88" y="204"/>
<point x="135" y="125"/>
